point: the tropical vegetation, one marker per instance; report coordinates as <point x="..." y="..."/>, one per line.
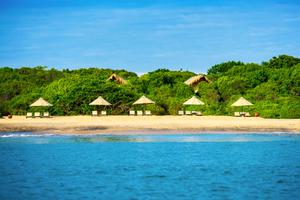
<point x="273" y="87"/>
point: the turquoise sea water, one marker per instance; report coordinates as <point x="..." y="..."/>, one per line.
<point x="189" y="166"/>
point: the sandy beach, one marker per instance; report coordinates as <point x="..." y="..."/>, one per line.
<point x="147" y="124"/>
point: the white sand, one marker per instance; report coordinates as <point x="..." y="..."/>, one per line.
<point x="160" y="124"/>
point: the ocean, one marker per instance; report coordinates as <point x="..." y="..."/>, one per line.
<point x="185" y="166"/>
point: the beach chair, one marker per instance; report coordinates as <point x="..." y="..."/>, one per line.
<point x="29" y="115"/>
<point x="247" y="114"/>
<point x="46" y="114"/>
<point x="103" y="113"/>
<point x="237" y="114"/>
<point x="194" y="112"/>
<point x="37" y="114"/>
<point x="132" y="112"/>
<point x="148" y="112"/>
<point x="180" y="112"/>
<point x="188" y="112"/>
<point x="139" y="113"/>
<point x="94" y="113"/>
<point x="198" y="113"/>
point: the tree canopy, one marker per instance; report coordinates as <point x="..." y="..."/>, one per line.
<point x="273" y="87"/>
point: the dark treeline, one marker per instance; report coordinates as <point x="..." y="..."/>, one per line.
<point x="273" y="87"/>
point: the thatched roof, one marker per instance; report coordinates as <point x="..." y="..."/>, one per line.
<point x="195" y="80"/>
<point x="242" y="102"/>
<point x="143" y="100"/>
<point x="40" y="102"/>
<point x="100" y="101"/>
<point x="118" y="79"/>
<point x="193" y="101"/>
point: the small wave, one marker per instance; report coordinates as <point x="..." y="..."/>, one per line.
<point x="24" y="135"/>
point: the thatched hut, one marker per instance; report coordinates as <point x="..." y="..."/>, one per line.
<point x="143" y="100"/>
<point x="40" y="103"/>
<point x="242" y="102"/>
<point x="117" y="79"/>
<point x="195" y="80"/>
<point x="100" y="102"/>
<point x="193" y="101"/>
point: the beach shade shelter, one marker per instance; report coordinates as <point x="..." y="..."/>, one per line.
<point x="195" y="80"/>
<point x="100" y="102"/>
<point x="40" y="103"/>
<point x="143" y="101"/>
<point x="193" y="101"/>
<point x="117" y="79"/>
<point x="241" y="102"/>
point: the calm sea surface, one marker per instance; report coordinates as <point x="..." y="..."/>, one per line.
<point x="206" y="166"/>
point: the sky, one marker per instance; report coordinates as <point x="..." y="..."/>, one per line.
<point x="144" y="35"/>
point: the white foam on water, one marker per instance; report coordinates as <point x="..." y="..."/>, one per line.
<point x="18" y="135"/>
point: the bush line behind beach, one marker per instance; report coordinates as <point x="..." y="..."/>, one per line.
<point x="273" y="87"/>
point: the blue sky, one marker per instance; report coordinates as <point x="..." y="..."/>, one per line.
<point x="144" y="35"/>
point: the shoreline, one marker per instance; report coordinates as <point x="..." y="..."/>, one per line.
<point x="129" y="125"/>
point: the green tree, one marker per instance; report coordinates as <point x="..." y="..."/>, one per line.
<point x="273" y="87"/>
<point x="223" y="67"/>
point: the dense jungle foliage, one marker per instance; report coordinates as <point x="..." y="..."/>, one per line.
<point x="273" y="87"/>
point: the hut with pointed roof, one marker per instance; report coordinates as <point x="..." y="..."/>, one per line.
<point x="193" y="101"/>
<point x="100" y="102"/>
<point x="118" y="79"/>
<point x="195" y="80"/>
<point x="242" y="102"/>
<point x="143" y="100"/>
<point x="41" y="103"/>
